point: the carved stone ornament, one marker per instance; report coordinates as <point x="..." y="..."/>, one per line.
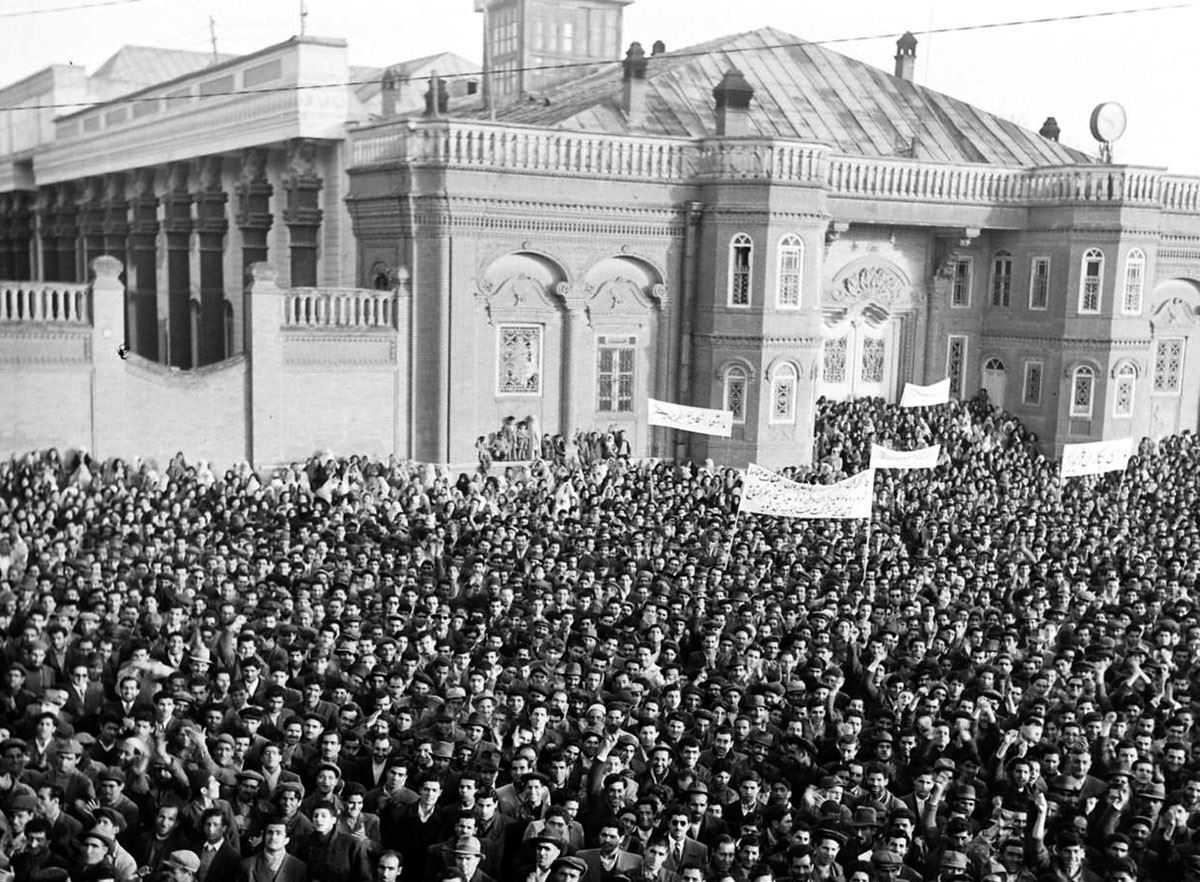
<point x="517" y="292"/>
<point x="1175" y="313"/>
<point x="873" y="282"/>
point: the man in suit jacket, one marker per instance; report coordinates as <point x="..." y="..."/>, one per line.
<point x="681" y="848"/>
<point x="609" y="859"/>
<point x="219" y="860"/>
<point x="272" y="863"/>
<point x="332" y="856"/>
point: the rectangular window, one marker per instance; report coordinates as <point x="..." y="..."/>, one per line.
<point x="791" y="259"/>
<point x="1032" y="389"/>
<point x="1168" y="365"/>
<point x="519" y="360"/>
<point x="614" y="374"/>
<point x="1091" y="280"/>
<point x="1039" y="283"/>
<point x="1002" y="280"/>
<point x="960" y="292"/>
<point x="568" y="38"/>
<point x="1123" y="396"/>
<point x="740" y="251"/>
<point x="1135" y="274"/>
<point x="539" y="35"/>
<point x="735" y="394"/>
<point x="783" y="395"/>
<point x="1083" y="392"/>
<point x="956" y="363"/>
<point x="834" y="370"/>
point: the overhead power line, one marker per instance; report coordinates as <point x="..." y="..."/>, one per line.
<point x="46" y="10"/>
<point x="594" y="65"/>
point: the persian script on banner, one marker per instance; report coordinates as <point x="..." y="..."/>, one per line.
<point x="886" y="458"/>
<point x="1096" y="458"/>
<point x="765" y="492"/>
<point x="702" y="420"/>
<point x="925" y="396"/>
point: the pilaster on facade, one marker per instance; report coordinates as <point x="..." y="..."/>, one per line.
<point x="143" y="231"/>
<point x="253" y="215"/>
<point x="211" y="225"/>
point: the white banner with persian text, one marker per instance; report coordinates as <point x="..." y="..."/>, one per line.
<point x="925" y="396"/>
<point x="886" y="458"/>
<point x="769" y="493"/>
<point x="702" y="420"/>
<point x="1096" y="458"/>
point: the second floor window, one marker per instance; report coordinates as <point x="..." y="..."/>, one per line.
<point x="1091" y="279"/>
<point x="1002" y="267"/>
<point x="1039" y="283"/>
<point x="614" y="374"/>
<point x="960" y="291"/>
<point x="741" y="250"/>
<point x="1135" y="280"/>
<point x="791" y="271"/>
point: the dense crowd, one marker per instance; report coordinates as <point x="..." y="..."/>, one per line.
<point x="353" y="670"/>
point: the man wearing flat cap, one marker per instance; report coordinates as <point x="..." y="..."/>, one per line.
<point x="181" y="866"/>
<point x="568" y="869"/>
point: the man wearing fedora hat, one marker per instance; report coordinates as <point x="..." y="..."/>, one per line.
<point x="468" y="854"/>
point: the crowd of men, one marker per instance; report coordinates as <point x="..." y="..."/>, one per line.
<point x="353" y="670"/>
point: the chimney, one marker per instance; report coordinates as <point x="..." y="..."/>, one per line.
<point x="391" y="92"/>
<point x="658" y="48"/>
<point x="437" y="99"/>
<point x="633" y="90"/>
<point x="733" y="96"/>
<point x="906" y="56"/>
<point x="1050" y="129"/>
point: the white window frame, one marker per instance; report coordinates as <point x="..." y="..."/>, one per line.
<point x="740" y="240"/>
<point x="791" y="248"/>
<point x="962" y="376"/>
<point x="1092" y="254"/>
<point x="965" y="301"/>
<point x="736" y="374"/>
<point x="617" y="344"/>
<point x="1078" y="411"/>
<point x="1134" y="282"/>
<point x="1126" y="374"/>
<point x="1041" y="378"/>
<point x="784" y="372"/>
<point x="1002" y="279"/>
<point x="1033" y="281"/>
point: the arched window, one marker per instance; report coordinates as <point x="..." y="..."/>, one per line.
<point x="1083" y="391"/>
<point x="741" y="250"/>
<point x="1126" y="382"/>
<point x="791" y="272"/>
<point x="1002" y="273"/>
<point x="1091" y="277"/>
<point x="734" y="393"/>
<point x="1135" y="279"/>
<point x="783" y="394"/>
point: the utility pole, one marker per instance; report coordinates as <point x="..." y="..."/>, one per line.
<point x="212" y="33"/>
<point x="303" y="17"/>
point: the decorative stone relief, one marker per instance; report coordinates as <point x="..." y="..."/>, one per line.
<point x="1175" y="313"/>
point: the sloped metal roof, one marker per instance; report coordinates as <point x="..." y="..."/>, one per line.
<point x="801" y="90"/>
<point x="150" y="65"/>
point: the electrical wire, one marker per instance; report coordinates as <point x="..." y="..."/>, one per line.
<point x="599" y="65"/>
<point x="18" y="13"/>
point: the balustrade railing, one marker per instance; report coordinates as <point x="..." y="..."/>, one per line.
<point x="339" y="308"/>
<point x="60" y="303"/>
<point x="512" y="148"/>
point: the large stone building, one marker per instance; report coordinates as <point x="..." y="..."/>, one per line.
<point x="748" y="224"/>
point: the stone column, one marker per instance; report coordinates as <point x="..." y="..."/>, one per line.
<point x="572" y="320"/>
<point x="143" y="275"/>
<point x="264" y="317"/>
<point x="6" y="238"/>
<point x="91" y="219"/>
<point x="302" y="214"/>
<point x="20" y="230"/>
<point x="253" y="216"/>
<point x="66" y="234"/>
<point x="177" y="224"/>
<point x="47" y="218"/>
<point x="211" y="226"/>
